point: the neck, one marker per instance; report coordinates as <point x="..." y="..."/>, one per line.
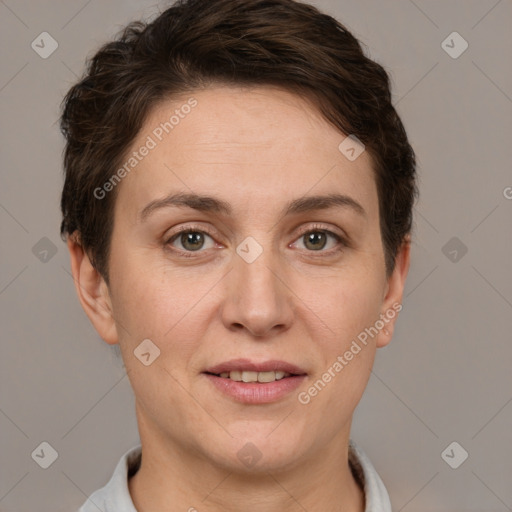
<point x="171" y="478"/>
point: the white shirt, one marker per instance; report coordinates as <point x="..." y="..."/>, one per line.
<point x="115" y="496"/>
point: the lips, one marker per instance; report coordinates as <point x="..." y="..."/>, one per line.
<point x="255" y="383"/>
<point x="246" y="365"/>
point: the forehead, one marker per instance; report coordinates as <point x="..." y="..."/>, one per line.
<point x="251" y="145"/>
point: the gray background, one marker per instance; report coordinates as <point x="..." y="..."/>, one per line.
<point x="446" y="375"/>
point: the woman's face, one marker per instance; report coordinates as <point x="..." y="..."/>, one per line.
<point x="270" y="277"/>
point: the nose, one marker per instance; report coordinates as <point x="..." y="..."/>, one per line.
<point x="257" y="297"/>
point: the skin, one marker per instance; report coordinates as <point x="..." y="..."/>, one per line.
<point x="256" y="149"/>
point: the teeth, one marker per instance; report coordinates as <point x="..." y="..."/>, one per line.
<point x="250" y="376"/>
<point x="247" y="376"/>
<point x="266" y="376"/>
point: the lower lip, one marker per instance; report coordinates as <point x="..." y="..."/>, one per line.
<point x="256" y="392"/>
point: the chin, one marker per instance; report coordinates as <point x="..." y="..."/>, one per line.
<point x="262" y="452"/>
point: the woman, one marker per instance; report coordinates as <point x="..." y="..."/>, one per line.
<point x="238" y="207"/>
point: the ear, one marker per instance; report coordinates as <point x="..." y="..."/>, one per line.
<point x="392" y="303"/>
<point x="92" y="292"/>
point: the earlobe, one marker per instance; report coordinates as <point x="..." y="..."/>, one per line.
<point x="92" y="292"/>
<point x="392" y="303"/>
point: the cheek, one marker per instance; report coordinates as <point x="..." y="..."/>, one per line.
<point x="166" y="307"/>
<point x="347" y="351"/>
<point x="344" y="307"/>
<point x="151" y="305"/>
<point x="347" y="307"/>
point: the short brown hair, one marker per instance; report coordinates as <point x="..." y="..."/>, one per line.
<point x="198" y="43"/>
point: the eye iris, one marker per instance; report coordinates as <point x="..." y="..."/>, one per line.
<point x="314" y="238"/>
<point x="192" y="241"/>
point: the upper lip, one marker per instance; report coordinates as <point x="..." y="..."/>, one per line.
<point x="251" y="366"/>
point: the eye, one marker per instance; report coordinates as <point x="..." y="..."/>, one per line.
<point x="190" y="239"/>
<point x="316" y="239"/>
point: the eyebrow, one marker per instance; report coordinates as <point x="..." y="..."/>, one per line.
<point x="211" y="204"/>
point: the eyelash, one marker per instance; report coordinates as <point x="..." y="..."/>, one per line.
<point x="342" y="244"/>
